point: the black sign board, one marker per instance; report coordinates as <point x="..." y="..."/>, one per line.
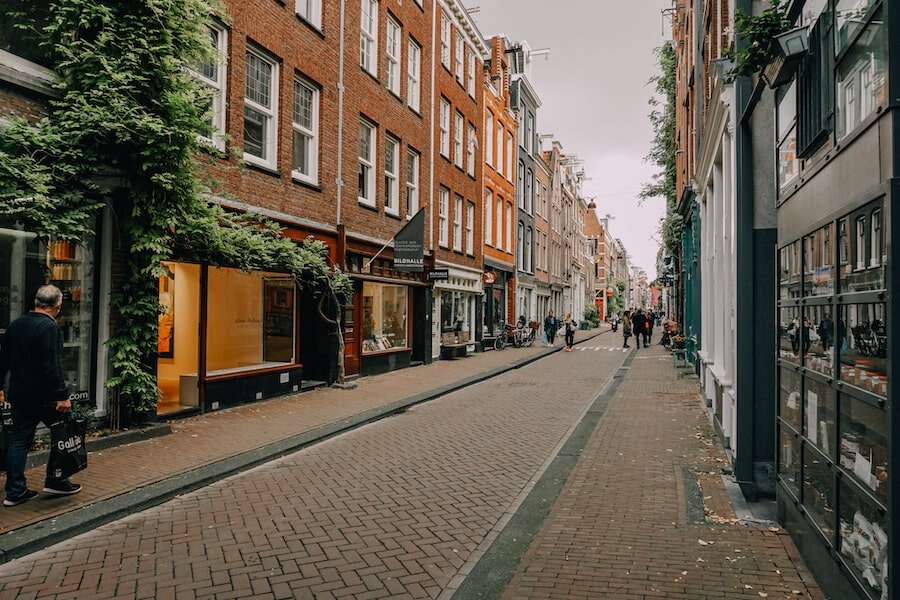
<point x="439" y="275"/>
<point x="409" y="245"/>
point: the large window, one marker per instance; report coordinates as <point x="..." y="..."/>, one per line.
<point x="488" y="217"/>
<point x="385" y="322"/>
<point x="443" y="217"/>
<point x="212" y="74"/>
<point x="366" y="193"/>
<point x="460" y="64"/>
<point x="471" y="145"/>
<point x="412" y="182"/>
<point x="445" y="128"/>
<point x="310" y="11"/>
<point x="470" y="228"/>
<point x="470" y="76"/>
<point x="860" y="75"/>
<point x="391" y="176"/>
<point x="458" y="132"/>
<point x="788" y="162"/>
<point x="489" y="139"/>
<point x="392" y="50"/>
<point x="457" y="311"/>
<point x="445" y="39"/>
<point x="457" y="223"/>
<point x="414" y="75"/>
<point x="368" y="36"/>
<point x="305" y="125"/>
<point x="260" y="109"/>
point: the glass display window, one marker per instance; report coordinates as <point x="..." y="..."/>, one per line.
<point x="864" y="540"/>
<point x="790" y="333"/>
<point x="820" y="415"/>
<point x="385" y="310"/>
<point x="864" y="444"/>
<point x="498" y="310"/>
<point x="456" y="311"/>
<point x="820" y="353"/>
<point x="819" y="492"/>
<point x="862" y="335"/>
<point x="790" y="398"/>
<point x="818" y="262"/>
<point x="789" y="460"/>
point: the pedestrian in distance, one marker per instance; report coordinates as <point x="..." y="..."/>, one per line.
<point x="37" y="391"/>
<point x="551" y="324"/>
<point x="626" y="328"/>
<point x="570" y="326"/>
<point x="648" y="333"/>
<point x="825" y="331"/>
<point x="639" y="324"/>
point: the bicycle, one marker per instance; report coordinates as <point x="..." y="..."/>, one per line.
<point x="501" y="340"/>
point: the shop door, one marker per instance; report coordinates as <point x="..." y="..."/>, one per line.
<point x="178" y="345"/>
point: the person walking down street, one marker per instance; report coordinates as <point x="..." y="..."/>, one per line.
<point x="639" y="324"/>
<point x="626" y="328"/>
<point x="825" y="332"/>
<point x="570" y="326"/>
<point x="551" y="324"/>
<point x="37" y="391"/>
<point x="648" y="332"/>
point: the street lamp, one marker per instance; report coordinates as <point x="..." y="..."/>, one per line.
<point x="794" y="42"/>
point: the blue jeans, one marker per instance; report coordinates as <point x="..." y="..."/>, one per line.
<point x="24" y="424"/>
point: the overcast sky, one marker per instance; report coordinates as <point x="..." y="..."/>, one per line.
<point x="594" y="89"/>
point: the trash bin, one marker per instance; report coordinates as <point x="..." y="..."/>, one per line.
<point x="585" y="325"/>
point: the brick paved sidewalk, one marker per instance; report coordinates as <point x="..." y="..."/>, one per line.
<point x="645" y="512"/>
<point x="206" y="448"/>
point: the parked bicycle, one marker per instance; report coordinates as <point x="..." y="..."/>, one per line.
<point x="522" y="335"/>
<point x="501" y="340"/>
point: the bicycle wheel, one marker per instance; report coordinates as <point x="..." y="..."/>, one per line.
<point x="500" y="341"/>
<point x="529" y="341"/>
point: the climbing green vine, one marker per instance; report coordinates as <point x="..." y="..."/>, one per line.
<point x="122" y="133"/>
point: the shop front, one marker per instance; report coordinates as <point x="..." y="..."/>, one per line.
<point x="458" y="306"/>
<point x="495" y="306"/>
<point x="26" y="263"/>
<point x="247" y="345"/>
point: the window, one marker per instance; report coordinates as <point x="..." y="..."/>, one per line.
<point x="499" y="225"/>
<point x="529" y="235"/>
<point x="788" y="163"/>
<point x="877" y="255"/>
<point x="520" y="246"/>
<point x="460" y="57"/>
<point x="509" y="156"/>
<point x="392" y="49"/>
<point x="529" y="133"/>
<point x="412" y="182"/>
<point x="306" y="132"/>
<point x="260" y="109"/>
<point x="538" y="205"/>
<point x="443" y="223"/>
<point x="489" y="217"/>
<point x="470" y="228"/>
<point x="391" y="175"/>
<point x="413" y="75"/>
<point x="471" y="74"/>
<point x="815" y="85"/>
<point x="471" y="144"/>
<point x="445" y="128"/>
<point x="366" y="163"/>
<point x="860" y="78"/>
<point x="489" y="139"/>
<point x="26" y="42"/>
<point x="860" y="242"/>
<point x="384" y="317"/>
<point x="445" y="40"/>
<point x="509" y="222"/>
<point x="520" y="186"/>
<point x="529" y="191"/>
<point x="212" y="74"/>
<point x="457" y="223"/>
<point x="310" y="11"/>
<point x="458" y="141"/>
<point x="368" y="37"/>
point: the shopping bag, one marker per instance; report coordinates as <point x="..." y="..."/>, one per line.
<point x="5" y="429"/>
<point x="68" y="454"/>
<point x="544" y="339"/>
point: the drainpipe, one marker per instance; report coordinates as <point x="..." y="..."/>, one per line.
<point x="340" y="130"/>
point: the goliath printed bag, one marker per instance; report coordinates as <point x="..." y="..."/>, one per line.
<point x="5" y="429"/>
<point x="68" y="453"/>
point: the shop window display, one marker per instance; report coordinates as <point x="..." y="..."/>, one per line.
<point x="864" y="444"/>
<point x="818" y="491"/>
<point x="384" y="317"/>
<point x="789" y="461"/>
<point x="864" y="540"/>
<point x="819" y="411"/>
<point x="790" y="398"/>
<point x="456" y="311"/>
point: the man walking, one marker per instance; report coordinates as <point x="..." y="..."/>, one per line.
<point x="37" y="391"/>
<point x="639" y="322"/>
<point x="626" y="328"/>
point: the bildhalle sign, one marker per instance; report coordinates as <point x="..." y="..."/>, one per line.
<point x="409" y="245"/>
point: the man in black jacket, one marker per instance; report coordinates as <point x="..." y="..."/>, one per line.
<point x="37" y="390"/>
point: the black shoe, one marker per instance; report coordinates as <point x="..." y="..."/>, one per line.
<point x="61" y="487"/>
<point x="23" y="497"/>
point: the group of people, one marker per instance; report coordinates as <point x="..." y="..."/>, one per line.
<point x="640" y="325"/>
<point x="568" y="326"/>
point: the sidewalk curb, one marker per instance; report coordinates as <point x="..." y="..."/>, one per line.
<point x="23" y="541"/>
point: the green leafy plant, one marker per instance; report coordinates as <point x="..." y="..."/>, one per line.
<point x="592" y="315"/>
<point x="756" y="38"/>
<point x="122" y="133"/>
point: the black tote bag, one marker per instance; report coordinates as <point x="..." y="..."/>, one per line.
<point x="68" y="453"/>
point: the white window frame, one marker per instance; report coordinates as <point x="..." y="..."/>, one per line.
<point x="488" y="217"/>
<point x="489" y="139"/>
<point x="460" y="64"/>
<point x="499" y="225"/>
<point x="414" y="75"/>
<point x="393" y="36"/>
<point x="876" y="225"/>
<point x="471" y="145"/>
<point x="510" y="173"/>
<point x="861" y="245"/>
<point x="216" y="81"/>
<point x="470" y="75"/>
<point x="269" y="111"/>
<point x="458" y="129"/>
<point x="368" y="36"/>
<point x="310" y="11"/>
<point x="470" y="228"/>
<point x="457" y="222"/>
<point x="391" y="175"/>
<point x="443" y="217"/>
<point x="445" y="39"/>
<point x="309" y="131"/>
<point x="413" y="161"/>
<point x="445" y="128"/>
<point x="367" y="163"/>
<point x="509" y="222"/>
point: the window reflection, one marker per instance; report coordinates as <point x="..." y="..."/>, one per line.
<point x="818" y="492"/>
<point x="860" y="74"/>
<point x="789" y="340"/>
<point x="862" y="249"/>
<point x="863" y="341"/>
<point x="819" y="410"/>
<point x="864" y="540"/>
<point x="789" y="460"/>
<point x="790" y="398"/>
<point x="819" y="262"/>
<point x="864" y="444"/>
